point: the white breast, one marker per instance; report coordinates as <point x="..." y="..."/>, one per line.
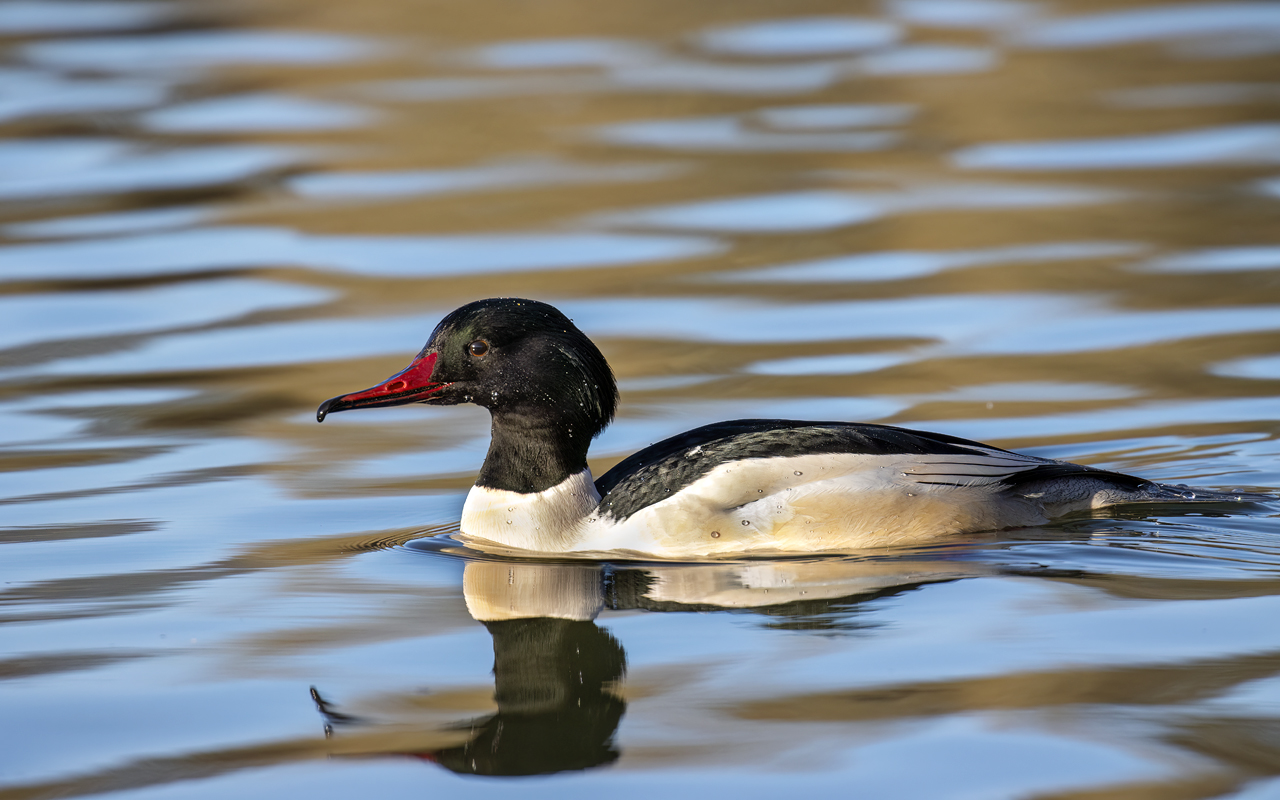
<point x="548" y="521"/>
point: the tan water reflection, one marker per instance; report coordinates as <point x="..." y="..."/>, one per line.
<point x="1052" y="228"/>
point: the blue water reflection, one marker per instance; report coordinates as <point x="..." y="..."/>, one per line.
<point x="963" y="14"/>
<point x="903" y="265"/>
<point x="775" y="213"/>
<point x="802" y="36"/>
<point x="839" y="364"/>
<point x="1238" y="144"/>
<point x="963" y="319"/>
<point x="74" y="16"/>
<point x="53" y="168"/>
<point x="819" y="209"/>
<point x="202" y="249"/>
<point x="1219" y="259"/>
<point x="256" y="112"/>
<point x="1089" y="329"/>
<point x="86" y="225"/>
<point x="191" y="50"/>
<point x="834" y="116"/>
<point x="1263" y="368"/>
<point x="929" y="59"/>
<point x="35" y="93"/>
<point x="1133" y="416"/>
<point x="1155" y="23"/>
<point x="508" y="174"/>
<point x="44" y="420"/>
<point x="1037" y="391"/>
<point x="689" y="75"/>
<point x="971" y="323"/>
<point x="120" y="312"/>
<point x="256" y="346"/>
<point x="729" y="134"/>
<point x="563" y="53"/>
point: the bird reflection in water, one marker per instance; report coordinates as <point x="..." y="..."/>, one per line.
<point x="557" y="708"/>
<point x="558" y="675"/>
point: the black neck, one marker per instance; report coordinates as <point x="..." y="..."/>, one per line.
<point x="531" y="453"/>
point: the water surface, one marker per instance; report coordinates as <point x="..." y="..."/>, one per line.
<point x="1050" y="228"/>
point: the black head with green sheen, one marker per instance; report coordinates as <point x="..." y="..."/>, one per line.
<point x="523" y="360"/>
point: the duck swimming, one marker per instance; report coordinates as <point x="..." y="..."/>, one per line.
<point x="744" y="486"/>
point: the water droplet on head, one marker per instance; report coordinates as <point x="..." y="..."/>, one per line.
<point x="759" y="491"/>
<point x="798" y="472"/>
<point x="509" y="522"/>
<point x="715" y="534"/>
<point x="745" y="522"/>
<point x="1187" y="495"/>
<point x="511" y="508"/>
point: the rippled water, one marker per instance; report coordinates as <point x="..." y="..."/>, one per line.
<point x="1055" y="228"/>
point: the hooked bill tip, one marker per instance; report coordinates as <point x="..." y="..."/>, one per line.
<point x="323" y="410"/>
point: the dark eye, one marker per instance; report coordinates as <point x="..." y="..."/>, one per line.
<point x="478" y="348"/>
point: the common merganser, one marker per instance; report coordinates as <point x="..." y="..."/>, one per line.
<point x="745" y="486"/>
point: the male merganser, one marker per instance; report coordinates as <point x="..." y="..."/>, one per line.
<point x="745" y="486"/>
